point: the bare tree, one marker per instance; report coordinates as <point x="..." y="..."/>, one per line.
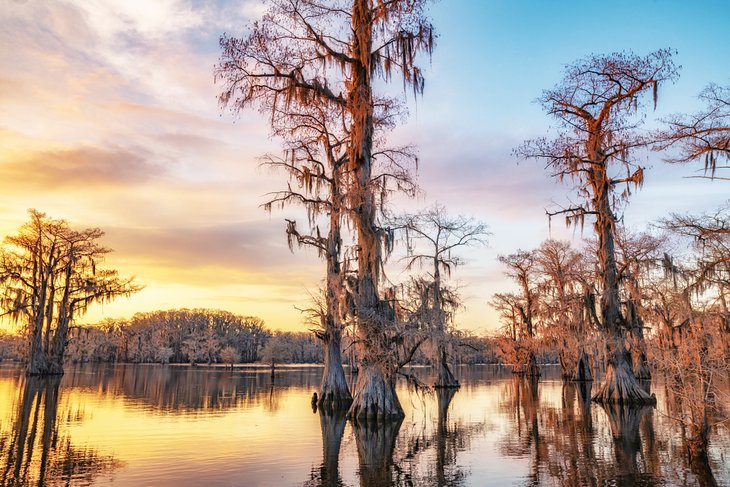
<point x="441" y="235"/>
<point x="49" y="275"/>
<point x="306" y="52"/>
<point x="704" y="135"/>
<point x="596" y="106"/>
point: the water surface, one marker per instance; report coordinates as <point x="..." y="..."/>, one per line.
<point x="131" y="425"/>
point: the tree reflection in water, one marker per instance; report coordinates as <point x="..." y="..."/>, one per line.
<point x="327" y="474"/>
<point x="579" y="443"/>
<point x="375" y="446"/>
<point x="60" y="461"/>
<point x="556" y="435"/>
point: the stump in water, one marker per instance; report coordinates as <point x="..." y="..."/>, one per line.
<point x="375" y="397"/>
<point x="583" y="370"/>
<point x="314" y="402"/>
<point x="619" y="385"/>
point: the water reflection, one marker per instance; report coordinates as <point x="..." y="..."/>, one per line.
<point x="332" y="425"/>
<point x="375" y="447"/>
<point x="162" y="425"/>
<point x="36" y="452"/>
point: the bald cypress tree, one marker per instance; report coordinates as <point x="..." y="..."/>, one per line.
<point x="596" y="107"/>
<point x="49" y="275"/>
<point x="329" y="53"/>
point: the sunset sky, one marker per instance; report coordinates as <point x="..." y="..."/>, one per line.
<point x="108" y="118"/>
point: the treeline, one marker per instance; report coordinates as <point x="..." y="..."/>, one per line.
<point x="215" y="336"/>
<point x="175" y="336"/>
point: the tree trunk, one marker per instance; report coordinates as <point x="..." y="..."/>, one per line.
<point x="698" y="438"/>
<point x="37" y="362"/>
<point x="375" y="398"/>
<point x="641" y="365"/>
<point x="619" y="385"/>
<point x="532" y="369"/>
<point x="583" y="370"/>
<point x="333" y="392"/>
<point x="374" y="393"/>
<point x="444" y="377"/>
<point x="567" y="370"/>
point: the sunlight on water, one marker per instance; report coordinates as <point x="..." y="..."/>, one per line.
<point x="155" y="425"/>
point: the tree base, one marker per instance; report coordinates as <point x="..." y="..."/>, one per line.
<point x="374" y="397"/>
<point x="334" y="395"/>
<point x="583" y="370"/>
<point x="334" y="400"/>
<point x="446" y="379"/>
<point x="620" y="386"/>
<point x="642" y="371"/>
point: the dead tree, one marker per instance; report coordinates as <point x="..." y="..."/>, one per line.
<point x="703" y="136"/>
<point x="596" y="106"/>
<point x="521" y="267"/>
<point x="432" y="238"/>
<point x="49" y="276"/>
<point x="310" y="52"/>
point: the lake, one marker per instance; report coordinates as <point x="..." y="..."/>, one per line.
<point x="133" y="425"/>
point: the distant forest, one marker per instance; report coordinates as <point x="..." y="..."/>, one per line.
<point x="205" y="336"/>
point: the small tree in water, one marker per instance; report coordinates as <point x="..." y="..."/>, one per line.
<point x="595" y="105"/>
<point x="521" y="308"/>
<point x="50" y="276"/>
<point x="432" y="237"/>
<point x="315" y="160"/>
<point x="275" y="352"/>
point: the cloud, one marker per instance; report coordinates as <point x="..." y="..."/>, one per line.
<point x="77" y="168"/>
<point x="225" y="253"/>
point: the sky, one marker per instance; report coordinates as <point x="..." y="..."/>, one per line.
<point x="109" y="118"/>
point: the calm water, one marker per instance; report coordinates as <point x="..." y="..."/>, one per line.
<point x="131" y="425"/>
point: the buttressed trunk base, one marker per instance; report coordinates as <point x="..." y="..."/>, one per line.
<point x="620" y="386"/>
<point x="375" y="398"/>
<point x="444" y="379"/>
